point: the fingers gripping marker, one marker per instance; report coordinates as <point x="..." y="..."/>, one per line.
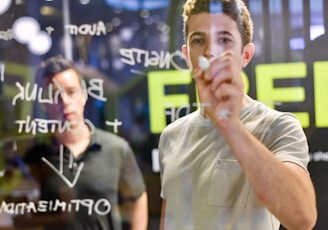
<point x="204" y="64"/>
<point x="224" y="114"/>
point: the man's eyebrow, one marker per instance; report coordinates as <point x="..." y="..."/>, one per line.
<point x="196" y="34"/>
<point x="224" y="32"/>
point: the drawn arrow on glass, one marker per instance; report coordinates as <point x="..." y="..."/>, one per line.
<point x="61" y="166"/>
<point x="2" y="72"/>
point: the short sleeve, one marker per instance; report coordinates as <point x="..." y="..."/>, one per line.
<point x="131" y="184"/>
<point x="161" y="165"/>
<point x="286" y="139"/>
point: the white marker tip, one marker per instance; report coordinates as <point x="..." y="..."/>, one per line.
<point x="203" y="63"/>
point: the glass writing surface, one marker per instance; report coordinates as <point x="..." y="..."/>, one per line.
<point x="137" y="82"/>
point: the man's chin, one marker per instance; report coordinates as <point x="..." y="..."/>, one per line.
<point x="73" y="123"/>
<point x="69" y="121"/>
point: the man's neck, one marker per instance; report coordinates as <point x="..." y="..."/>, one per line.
<point x="76" y="139"/>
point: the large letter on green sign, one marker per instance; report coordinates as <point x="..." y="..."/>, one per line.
<point x="158" y="100"/>
<point x="321" y="93"/>
<point x="268" y="94"/>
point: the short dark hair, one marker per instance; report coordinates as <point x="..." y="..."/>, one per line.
<point x="236" y="9"/>
<point x="53" y="66"/>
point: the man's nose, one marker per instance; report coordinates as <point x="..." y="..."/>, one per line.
<point x="208" y="55"/>
<point x="63" y="99"/>
<point x="208" y="51"/>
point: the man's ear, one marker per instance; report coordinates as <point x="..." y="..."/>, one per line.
<point x="85" y="96"/>
<point x="184" y="50"/>
<point x="248" y="53"/>
<point x="84" y="91"/>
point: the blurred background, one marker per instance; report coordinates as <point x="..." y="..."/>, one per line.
<point x="133" y="47"/>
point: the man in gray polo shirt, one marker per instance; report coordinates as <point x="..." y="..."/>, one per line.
<point x="94" y="167"/>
